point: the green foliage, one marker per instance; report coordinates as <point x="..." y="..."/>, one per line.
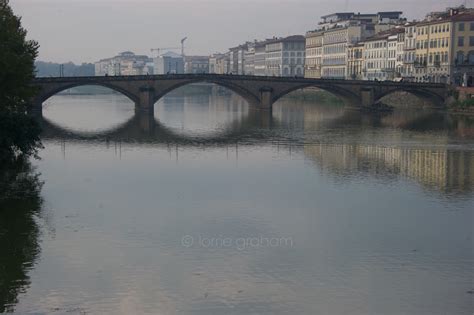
<point x="467" y="103"/>
<point x="19" y="134"/>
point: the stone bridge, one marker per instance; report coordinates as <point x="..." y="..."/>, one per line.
<point x="259" y="92"/>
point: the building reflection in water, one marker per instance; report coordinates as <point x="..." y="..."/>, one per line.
<point x="381" y="145"/>
<point x="444" y="170"/>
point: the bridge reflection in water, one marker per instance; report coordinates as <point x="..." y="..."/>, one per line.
<point x="339" y="142"/>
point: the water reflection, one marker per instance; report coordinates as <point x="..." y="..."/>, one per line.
<point x="379" y="210"/>
<point x="420" y="145"/>
<point x="447" y="171"/>
<point x="20" y="204"/>
<point x="83" y="113"/>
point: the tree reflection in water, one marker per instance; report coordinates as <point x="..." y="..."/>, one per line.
<point x="20" y="203"/>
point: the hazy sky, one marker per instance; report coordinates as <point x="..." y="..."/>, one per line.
<point x="88" y="30"/>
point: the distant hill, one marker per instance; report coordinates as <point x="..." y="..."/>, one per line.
<point x="51" y="69"/>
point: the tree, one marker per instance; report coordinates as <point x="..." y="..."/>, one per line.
<point x="19" y="133"/>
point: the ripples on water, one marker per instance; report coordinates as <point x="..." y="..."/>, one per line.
<point x="211" y="208"/>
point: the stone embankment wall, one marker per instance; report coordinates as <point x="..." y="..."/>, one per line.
<point x="405" y="99"/>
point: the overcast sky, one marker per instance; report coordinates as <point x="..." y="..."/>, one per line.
<point x="88" y="30"/>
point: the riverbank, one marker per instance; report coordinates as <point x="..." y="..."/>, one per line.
<point x="314" y="94"/>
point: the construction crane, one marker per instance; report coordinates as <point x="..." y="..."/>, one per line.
<point x="182" y="48"/>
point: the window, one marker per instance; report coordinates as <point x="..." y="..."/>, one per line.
<point x="471" y="41"/>
<point x="460" y="57"/>
<point x="470" y="57"/>
<point x="472" y="26"/>
<point x="461" y="27"/>
<point x="460" y="41"/>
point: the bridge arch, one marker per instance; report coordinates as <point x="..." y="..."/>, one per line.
<point x="435" y="99"/>
<point x="47" y="93"/>
<point x="251" y="98"/>
<point x="348" y="97"/>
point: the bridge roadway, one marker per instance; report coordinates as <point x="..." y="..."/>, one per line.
<point x="260" y="92"/>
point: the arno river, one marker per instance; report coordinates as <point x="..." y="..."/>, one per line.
<point x="209" y="208"/>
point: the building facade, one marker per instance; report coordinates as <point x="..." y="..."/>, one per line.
<point x="285" y="56"/>
<point x="196" y="64"/>
<point x="125" y="63"/>
<point x="260" y="68"/>
<point x="355" y="61"/>
<point x="462" y="52"/>
<point x="409" y="53"/>
<point x="314" y="54"/>
<point x="169" y="63"/>
<point x="249" y="60"/>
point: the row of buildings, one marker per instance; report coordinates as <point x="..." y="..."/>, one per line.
<point x="128" y="63"/>
<point x="379" y="46"/>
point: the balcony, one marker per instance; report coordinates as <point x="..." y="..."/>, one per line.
<point x="419" y="64"/>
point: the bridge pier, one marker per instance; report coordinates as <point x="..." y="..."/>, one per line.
<point x="266" y="99"/>
<point x="367" y="97"/>
<point x="146" y="100"/>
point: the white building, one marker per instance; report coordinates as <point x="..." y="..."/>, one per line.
<point x="196" y="64"/>
<point x="249" y="60"/>
<point x="314" y="54"/>
<point x="169" y="63"/>
<point x="380" y="55"/>
<point x="409" y="52"/>
<point x="375" y="57"/>
<point x="125" y="63"/>
<point x="400" y="53"/>
<point x="259" y="59"/>
<point x="285" y="56"/>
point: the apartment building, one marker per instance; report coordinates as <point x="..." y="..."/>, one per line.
<point x="196" y="64"/>
<point x="340" y="33"/>
<point x="259" y="58"/>
<point x="237" y="59"/>
<point x="285" y="56"/>
<point x="335" y="48"/>
<point x="400" y="53"/>
<point x="462" y="50"/>
<point x="125" y="63"/>
<point x="409" y="52"/>
<point x="169" y="63"/>
<point x="314" y="54"/>
<point x="355" y="61"/>
<point x="249" y="60"/>
<point x="376" y="57"/>
<point x="433" y="42"/>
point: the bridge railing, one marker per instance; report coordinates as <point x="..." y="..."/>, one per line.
<point x="212" y="76"/>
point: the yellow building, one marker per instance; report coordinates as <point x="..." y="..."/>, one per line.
<point x="462" y="52"/>
<point x="445" y="48"/>
<point x="314" y="54"/>
<point x="433" y="42"/>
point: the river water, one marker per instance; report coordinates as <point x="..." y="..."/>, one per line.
<point x="211" y="208"/>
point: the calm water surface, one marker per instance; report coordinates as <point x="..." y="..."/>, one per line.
<point x="211" y="208"/>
